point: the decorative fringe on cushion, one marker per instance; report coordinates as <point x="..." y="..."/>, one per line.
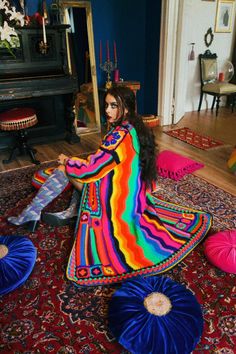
<point x="175" y="166"/>
<point x="18" y="118"/>
<point x="22" y="123"/>
<point x="176" y="175"/>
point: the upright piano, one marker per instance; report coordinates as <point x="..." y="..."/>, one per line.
<point x="41" y="79"/>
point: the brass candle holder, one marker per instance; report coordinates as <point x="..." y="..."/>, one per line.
<point x="43" y="47"/>
<point x="108" y="67"/>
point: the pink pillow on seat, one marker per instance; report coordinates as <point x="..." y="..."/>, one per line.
<point x="220" y="250"/>
<point x="175" y="166"/>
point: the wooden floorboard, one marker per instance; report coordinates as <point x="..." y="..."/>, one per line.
<point x="215" y="171"/>
<point x="221" y="128"/>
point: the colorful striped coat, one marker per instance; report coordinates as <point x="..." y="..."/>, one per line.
<point x="122" y="229"/>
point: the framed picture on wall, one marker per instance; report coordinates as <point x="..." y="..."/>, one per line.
<point x="224" y="15"/>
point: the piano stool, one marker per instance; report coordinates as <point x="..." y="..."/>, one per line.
<point x="18" y="120"/>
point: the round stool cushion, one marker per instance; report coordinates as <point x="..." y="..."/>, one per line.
<point x="17" y="260"/>
<point x="150" y="120"/>
<point x="220" y="250"/>
<point x="40" y="176"/>
<point x="155" y="315"/>
<point x="18" y="118"/>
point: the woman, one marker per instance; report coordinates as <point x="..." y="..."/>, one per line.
<point x="122" y="229"/>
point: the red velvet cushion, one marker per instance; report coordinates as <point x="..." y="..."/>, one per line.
<point x="17" y="114"/>
<point x="150" y="120"/>
<point x="220" y="250"/>
<point x="18" y="118"/>
<point x="175" y="166"/>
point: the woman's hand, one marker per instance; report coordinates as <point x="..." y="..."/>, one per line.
<point x="62" y="159"/>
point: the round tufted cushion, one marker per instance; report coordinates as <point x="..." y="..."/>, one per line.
<point x="155" y="315"/>
<point x="220" y="250"/>
<point x="18" y="118"/>
<point x="17" y="260"/>
<point x="150" y="120"/>
<point x="40" y="176"/>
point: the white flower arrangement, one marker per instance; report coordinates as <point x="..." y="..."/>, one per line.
<point x="9" y="18"/>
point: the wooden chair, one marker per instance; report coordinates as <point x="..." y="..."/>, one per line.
<point x="210" y="84"/>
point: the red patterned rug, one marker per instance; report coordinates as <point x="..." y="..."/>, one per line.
<point x="191" y="137"/>
<point x="49" y="314"/>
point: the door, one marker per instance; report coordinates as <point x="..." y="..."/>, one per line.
<point x="173" y="62"/>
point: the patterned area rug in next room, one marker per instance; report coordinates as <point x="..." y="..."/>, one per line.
<point x="193" y="138"/>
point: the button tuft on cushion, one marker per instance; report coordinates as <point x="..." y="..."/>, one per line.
<point x="155" y="315"/>
<point x="220" y="250"/>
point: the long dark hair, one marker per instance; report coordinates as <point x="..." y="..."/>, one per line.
<point x="125" y="98"/>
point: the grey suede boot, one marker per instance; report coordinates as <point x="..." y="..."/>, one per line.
<point x="51" y="188"/>
<point x="67" y="216"/>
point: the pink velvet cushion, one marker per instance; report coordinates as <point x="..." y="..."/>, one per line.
<point x="175" y="166"/>
<point x="220" y="250"/>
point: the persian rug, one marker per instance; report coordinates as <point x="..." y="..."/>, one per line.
<point x="191" y="137"/>
<point x="49" y="314"/>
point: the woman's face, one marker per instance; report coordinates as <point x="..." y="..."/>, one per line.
<point x="112" y="109"/>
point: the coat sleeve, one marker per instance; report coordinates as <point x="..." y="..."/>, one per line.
<point x="105" y="159"/>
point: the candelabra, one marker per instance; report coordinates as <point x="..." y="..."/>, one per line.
<point x="108" y="67"/>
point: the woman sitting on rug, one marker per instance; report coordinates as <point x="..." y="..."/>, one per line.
<point x="123" y="230"/>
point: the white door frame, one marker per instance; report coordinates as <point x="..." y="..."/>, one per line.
<point x="172" y="81"/>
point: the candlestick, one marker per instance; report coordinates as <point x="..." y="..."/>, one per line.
<point x="115" y="55"/>
<point x="44" y="32"/>
<point x="108" y="67"/>
<point x="116" y="75"/>
<point x="45" y="12"/>
<point x="100" y="54"/>
<point x="108" y="51"/>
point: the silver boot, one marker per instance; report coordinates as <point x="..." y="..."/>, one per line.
<point x="64" y="217"/>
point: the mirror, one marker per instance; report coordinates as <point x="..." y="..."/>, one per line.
<point x="208" y="38"/>
<point x="81" y="56"/>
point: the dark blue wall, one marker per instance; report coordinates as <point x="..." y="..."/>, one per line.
<point x="153" y="21"/>
<point x="135" y="26"/>
<point x="124" y="22"/>
<point x="32" y="5"/>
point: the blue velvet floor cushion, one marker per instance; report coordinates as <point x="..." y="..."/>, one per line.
<point x="155" y="315"/>
<point x="17" y="260"/>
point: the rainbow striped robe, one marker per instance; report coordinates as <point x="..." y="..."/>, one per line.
<point x="122" y="229"/>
